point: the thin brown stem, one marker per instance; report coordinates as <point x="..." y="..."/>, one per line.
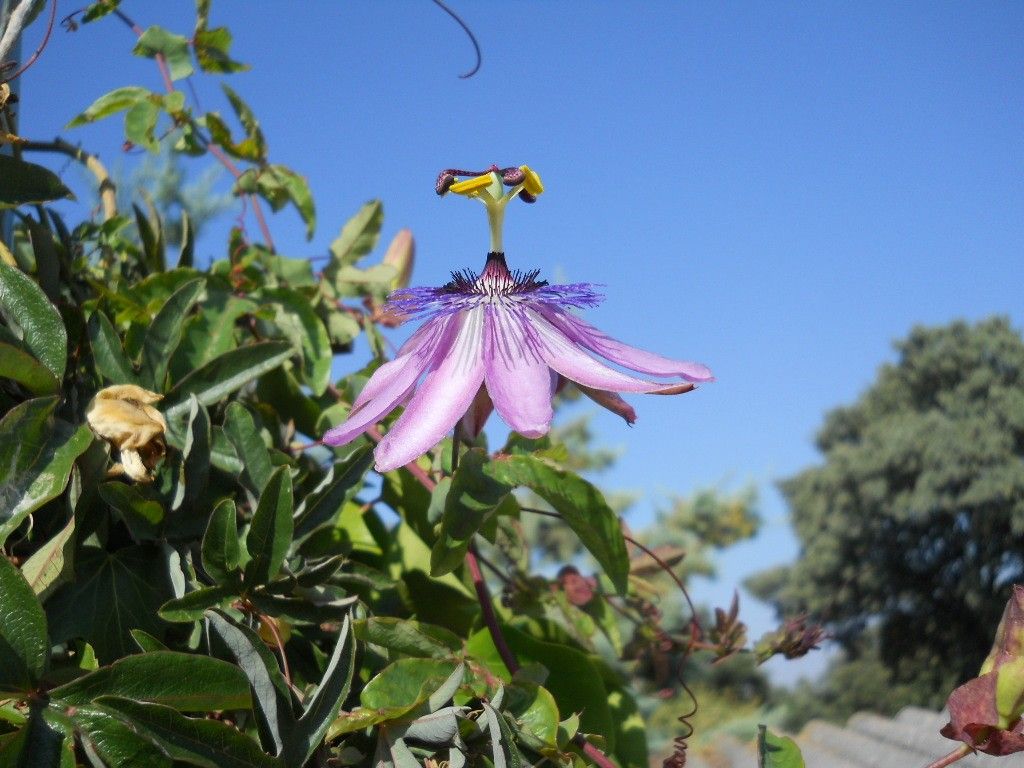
<point x="108" y="191"/>
<point x="960" y="752"/>
<point x="271" y="624"/>
<point x="493" y="568"/>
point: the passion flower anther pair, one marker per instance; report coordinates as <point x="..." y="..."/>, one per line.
<point x="499" y="340"/>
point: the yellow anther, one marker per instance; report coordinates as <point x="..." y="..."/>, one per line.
<point x="471" y="186"/>
<point x="532" y="182"/>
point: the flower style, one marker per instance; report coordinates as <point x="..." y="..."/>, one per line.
<point x="500" y="340"/>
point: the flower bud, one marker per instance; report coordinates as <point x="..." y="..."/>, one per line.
<point x="401" y="254"/>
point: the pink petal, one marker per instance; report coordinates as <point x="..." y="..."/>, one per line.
<point x="622" y="354"/>
<point x="392" y="383"/>
<point x="393" y="390"/>
<point x="517" y="379"/>
<point x="432" y="339"/>
<point x="565" y="357"/>
<point x="440" y="401"/>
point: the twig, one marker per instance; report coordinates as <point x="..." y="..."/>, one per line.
<point x="108" y="191"/>
<point x="42" y="45"/>
<point x="960" y="752"/>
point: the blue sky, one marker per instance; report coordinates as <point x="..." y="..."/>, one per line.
<point x="777" y="190"/>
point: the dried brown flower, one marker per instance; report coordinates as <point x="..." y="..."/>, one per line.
<point x="124" y="416"/>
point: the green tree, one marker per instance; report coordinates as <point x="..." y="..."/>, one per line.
<point x="912" y="525"/>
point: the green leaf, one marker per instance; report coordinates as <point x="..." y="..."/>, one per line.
<point x="20" y="366"/>
<point x="341" y="483"/>
<point x="124" y="591"/>
<point x="207" y="743"/>
<point x="270" y="533"/>
<point x="99" y="9"/>
<point x="28" y="184"/>
<point x="212" y="47"/>
<point x="225" y="374"/>
<point x="116" y="743"/>
<point x="294" y="315"/>
<point x="164" y="333"/>
<point x="107" y="352"/>
<point x="140" y="124"/>
<point x="147" y="642"/>
<point x="630" y="728"/>
<point x="174" y="49"/>
<point x="24" y="306"/>
<point x="472" y="499"/>
<point x="271" y="698"/>
<point x="777" y="751"/>
<point x="196" y="453"/>
<point x="23" y="641"/>
<point x="412" y="638"/>
<point x="406" y="682"/>
<point x="323" y="707"/>
<point x="140" y="509"/>
<point x="579" y="503"/>
<point x="188" y="241"/>
<point x="220" y="552"/>
<point x="279" y="185"/>
<point x="50" y="565"/>
<point x="151" y="233"/>
<point x="253" y="147"/>
<point x="536" y="712"/>
<point x="252" y="452"/>
<point x="573" y="679"/>
<point x="358" y="237"/>
<point x="192" y="605"/>
<point x="185" y="681"/>
<point x="503" y="745"/>
<point x="37" y="454"/>
<point x="110" y="103"/>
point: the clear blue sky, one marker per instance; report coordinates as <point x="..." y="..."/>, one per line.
<point x="778" y="190"/>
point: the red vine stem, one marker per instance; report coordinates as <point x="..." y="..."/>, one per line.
<point x="483" y="595"/>
<point x="962" y="751"/>
<point x="223" y="159"/>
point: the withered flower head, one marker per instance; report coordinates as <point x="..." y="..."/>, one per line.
<point x="795" y="638"/>
<point x="124" y="416"/>
<point x="985" y="713"/>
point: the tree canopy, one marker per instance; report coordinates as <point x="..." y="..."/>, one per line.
<point x="912" y="524"/>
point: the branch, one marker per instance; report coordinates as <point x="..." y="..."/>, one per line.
<point x="108" y="191"/>
<point x="14" y="26"/>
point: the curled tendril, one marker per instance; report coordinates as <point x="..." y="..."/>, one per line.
<point x="469" y="34"/>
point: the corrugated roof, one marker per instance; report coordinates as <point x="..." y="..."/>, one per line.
<point x="909" y="740"/>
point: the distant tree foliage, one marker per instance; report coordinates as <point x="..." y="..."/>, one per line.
<point x="913" y="524"/>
